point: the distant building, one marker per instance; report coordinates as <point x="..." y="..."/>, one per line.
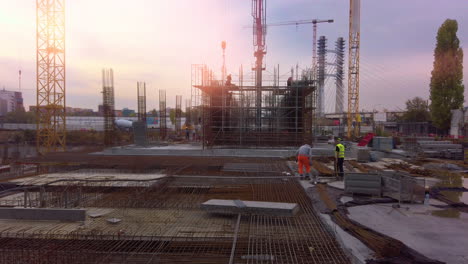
<point x="77" y="111"/>
<point x="10" y="101"/>
<point x="101" y="109"/>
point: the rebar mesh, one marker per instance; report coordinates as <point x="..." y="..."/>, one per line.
<point x="163" y="223"/>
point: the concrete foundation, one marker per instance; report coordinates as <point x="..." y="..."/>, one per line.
<point x="184" y="150"/>
<point x="43" y="214"/>
<point x="418" y="226"/>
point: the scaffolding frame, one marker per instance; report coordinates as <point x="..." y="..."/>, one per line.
<point x="108" y="105"/>
<point x="229" y="113"/>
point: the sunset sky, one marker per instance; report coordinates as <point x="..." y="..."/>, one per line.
<point x="156" y="41"/>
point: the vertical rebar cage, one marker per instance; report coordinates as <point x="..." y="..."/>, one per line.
<point x="141" y="98"/>
<point x="178" y="114"/>
<point x="108" y="105"/>
<point x="162" y="115"/>
<point x="50" y="78"/>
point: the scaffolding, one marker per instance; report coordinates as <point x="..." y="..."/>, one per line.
<point x="162" y="115"/>
<point x="108" y="105"/>
<point x="141" y="98"/>
<point x="229" y="113"/>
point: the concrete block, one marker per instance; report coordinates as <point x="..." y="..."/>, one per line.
<point x="139" y="133"/>
<point x="39" y="214"/>
<point x="363" y="155"/>
<point x="363" y="183"/>
<point x="250" y="207"/>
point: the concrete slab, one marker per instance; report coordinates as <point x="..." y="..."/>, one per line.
<point x="345" y="199"/>
<point x="195" y="151"/>
<point x="337" y="184"/>
<point x="119" y="178"/>
<point x="98" y="212"/>
<point x="191" y="150"/>
<point x="421" y="227"/>
<point x="355" y="249"/>
<point x="43" y="214"/>
<point x="306" y="184"/>
<point x="266" y="208"/>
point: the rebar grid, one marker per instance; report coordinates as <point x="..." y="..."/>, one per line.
<point x="163" y="223"/>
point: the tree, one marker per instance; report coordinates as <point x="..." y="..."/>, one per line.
<point x="417" y="110"/>
<point x="447" y="76"/>
<point x="20" y="117"/>
<point x="172" y="115"/>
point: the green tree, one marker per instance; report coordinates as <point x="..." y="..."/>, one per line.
<point x="417" y="110"/>
<point x="20" y="117"/>
<point x="172" y="116"/>
<point x="447" y="76"/>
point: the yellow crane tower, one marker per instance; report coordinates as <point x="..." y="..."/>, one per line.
<point x="353" y="69"/>
<point x="50" y="79"/>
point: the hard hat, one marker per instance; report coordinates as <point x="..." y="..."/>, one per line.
<point x="338" y="139"/>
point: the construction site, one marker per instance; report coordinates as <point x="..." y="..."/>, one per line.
<point x="221" y="182"/>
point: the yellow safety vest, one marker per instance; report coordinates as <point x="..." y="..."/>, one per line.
<point x="342" y="149"/>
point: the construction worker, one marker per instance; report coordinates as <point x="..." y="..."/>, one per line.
<point x="187" y="132"/>
<point x="339" y="157"/>
<point x="228" y="80"/>
<point x="303" y="158"/>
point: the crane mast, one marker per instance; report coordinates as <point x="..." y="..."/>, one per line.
<point x="353" y="68"/>
<point x="259" y="32"/>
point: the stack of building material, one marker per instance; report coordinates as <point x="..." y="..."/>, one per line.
<point x="382" y="143"/>
<point x="139" y="133"/>
<point x="363" y="183"/>
<point x="411" y="143"/>
<point x="363" y="155"/>
<point x="440" y="149"/>
<point x="403" y="186"/>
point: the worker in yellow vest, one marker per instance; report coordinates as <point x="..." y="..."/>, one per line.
<point x="339" y="157"/>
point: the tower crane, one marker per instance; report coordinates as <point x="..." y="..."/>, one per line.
<point x="353" y="68"/>
<point x="314" y="22"/>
